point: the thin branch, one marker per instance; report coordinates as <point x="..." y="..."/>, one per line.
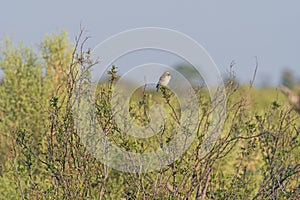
<point x="293" y="98"/>
<point x="255" y="71"/>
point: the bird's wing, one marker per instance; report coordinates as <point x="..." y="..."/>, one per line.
<point x="161" y="78"/>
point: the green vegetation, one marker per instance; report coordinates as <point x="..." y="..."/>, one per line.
<point x="43" y="157"/>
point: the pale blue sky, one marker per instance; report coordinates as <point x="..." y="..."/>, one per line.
<point x="229" y="30"/>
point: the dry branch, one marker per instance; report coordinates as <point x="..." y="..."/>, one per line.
<point x="293" y="98"/>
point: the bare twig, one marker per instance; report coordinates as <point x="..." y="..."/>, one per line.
<point x="293" y="98"/>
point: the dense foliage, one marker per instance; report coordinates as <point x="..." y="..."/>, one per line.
<point x="42" y="155"/>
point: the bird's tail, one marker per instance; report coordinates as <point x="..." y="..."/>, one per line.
<point x="157" y="87"/>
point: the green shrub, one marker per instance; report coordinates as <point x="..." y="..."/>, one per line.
<point x="43" y="156"/>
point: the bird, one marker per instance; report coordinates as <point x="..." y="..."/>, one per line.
<point x="163" y="80"/>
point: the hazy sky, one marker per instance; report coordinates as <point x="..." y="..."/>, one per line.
<point x="229" y="30"/>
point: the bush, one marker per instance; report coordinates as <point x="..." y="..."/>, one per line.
<point x="44" y="157"/>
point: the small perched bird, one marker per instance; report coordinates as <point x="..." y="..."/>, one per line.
<point x="163" y="80"/>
